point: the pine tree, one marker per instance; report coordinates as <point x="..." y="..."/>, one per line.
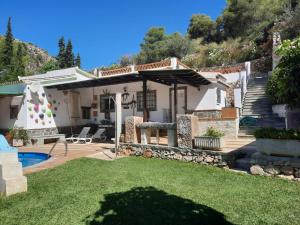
<point x="8" y="48"/>
<point x="18" y="66"/>
<point x="78" y="61"/>
<point x="61" y="57"/>
<point x="69" y="55"/>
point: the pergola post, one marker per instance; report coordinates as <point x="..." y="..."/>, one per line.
<point x="145" y="112"/>
<point x="175" y="101"/>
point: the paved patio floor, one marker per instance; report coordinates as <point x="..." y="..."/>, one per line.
<point x="58" y="157"/>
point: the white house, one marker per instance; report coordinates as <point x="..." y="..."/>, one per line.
<point x="72" y="97"/>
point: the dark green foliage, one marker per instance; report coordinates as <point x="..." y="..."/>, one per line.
<point x="212" y="132"/>
<point x="248" y="121"/>
<point x="8" y="48"/>
<point x="284" y="85"/>
<point x="69" y="55"/>
<point x="51" y="65"/>
<point x="273" y="133"/>
<point x="201" y="26"/>
<point x="61" y="57"/>
<point x="18" y="65"/>
<point x="78" y="61"/>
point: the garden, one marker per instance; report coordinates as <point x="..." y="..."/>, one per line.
<point x="150" y="191"/>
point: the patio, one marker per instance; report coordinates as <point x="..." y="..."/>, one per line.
<point x="75" y="151"/>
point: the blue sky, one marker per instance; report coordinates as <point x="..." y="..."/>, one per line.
<point x="101" y="30"/>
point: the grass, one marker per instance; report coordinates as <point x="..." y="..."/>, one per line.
<point x="139" y="191"/>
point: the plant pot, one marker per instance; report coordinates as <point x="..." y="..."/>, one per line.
<point x="278" y="147"/>
<point x="18" y="143"/>
<point x="210" y="143"/>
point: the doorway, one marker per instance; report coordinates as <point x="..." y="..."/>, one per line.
<point x="181" y="102"/>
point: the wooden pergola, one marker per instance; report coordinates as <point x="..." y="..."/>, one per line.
<point x="167" y="77"/>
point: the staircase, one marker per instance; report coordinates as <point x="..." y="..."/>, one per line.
<point x="257" y="105"/>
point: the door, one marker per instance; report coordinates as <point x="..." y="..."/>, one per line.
<point x="181" y="102"/>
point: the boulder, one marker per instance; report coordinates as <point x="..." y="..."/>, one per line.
<point x="257" y="170"/>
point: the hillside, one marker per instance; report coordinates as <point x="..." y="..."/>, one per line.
<point x="34" y="57"/>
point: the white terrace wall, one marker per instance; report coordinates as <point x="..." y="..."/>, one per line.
<point x="203" y="99"/>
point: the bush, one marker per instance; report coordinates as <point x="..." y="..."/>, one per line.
<point x="212" y="132"/>
<point x="273" y="133"/>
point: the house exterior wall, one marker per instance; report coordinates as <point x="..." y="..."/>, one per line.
<point x="204" y="98"/>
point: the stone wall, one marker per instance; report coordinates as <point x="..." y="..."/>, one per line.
<point x="208" y="114"/>
<point x="186" y="130"/>
<point x="132" y="133"/>
<point x="275" y="166"/>
<point x="205" y="157"/>
<point x="229" y="126"/>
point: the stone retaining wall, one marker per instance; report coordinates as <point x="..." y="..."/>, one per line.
<point x="275" y="166"/>
<point x="229" y="126"/>
<point x="205" y="157"/>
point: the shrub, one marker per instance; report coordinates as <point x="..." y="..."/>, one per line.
<point x="273" y="133"/>
<point x="212" y="132"/>
<point x="19" y="133"/>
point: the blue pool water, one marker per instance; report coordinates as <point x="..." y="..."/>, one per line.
<point x="31" y="158"/>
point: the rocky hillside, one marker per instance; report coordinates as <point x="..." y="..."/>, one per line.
<point x="34" y="58"/>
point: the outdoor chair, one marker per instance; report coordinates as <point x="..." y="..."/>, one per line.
<point x="82" y="137"/>
<point x="99" y="135"/>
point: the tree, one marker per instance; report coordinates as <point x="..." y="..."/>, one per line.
<point x="8" y="48"/>
<point x="61" y="57"/>
<point x="78" y="61"/>
<point x="18" y="65"/>
<point x="284" y="85"/>
<point x="153" y="47"/>
<point x="177" y="46"/>
<point x="69" y="55"/>
<point x="126" y="60"/>
<point x="201" y="26"/>
<point x="49" y="66"/>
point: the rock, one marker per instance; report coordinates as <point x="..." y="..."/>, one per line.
<point x="209" y="159"/>
<point x="257" y="170"/>
<point x="291" y="177"/>
<point x="272" y="170"/>
<point x="178" y="156"/>
<point x="188" y="158"/>
<point x="148" y="153"/>
<point x="287" y="170"/>
<point x="297" y="173"/>
<point x="199" y="159"/>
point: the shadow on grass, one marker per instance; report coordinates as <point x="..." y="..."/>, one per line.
<point x="150" y="206"/>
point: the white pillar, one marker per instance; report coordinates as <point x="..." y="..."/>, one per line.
<point x="118" y="118"/>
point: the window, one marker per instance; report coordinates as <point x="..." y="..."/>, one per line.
<point x="86" y="113"/>
<point x="14" y="111"/>
<point x="218" y="96"/>
<point x="151" y="101"/>
<point x="107" y="104"/>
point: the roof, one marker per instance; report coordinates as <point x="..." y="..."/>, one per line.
<point x="13" y="89"/>
<point x="58" y="76"/>
<point x="224" y="69"/>
<point x="166" y="72"/>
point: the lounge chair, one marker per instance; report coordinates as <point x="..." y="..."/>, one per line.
<point x="99" y="135"/>
<point x="82" y="137"/>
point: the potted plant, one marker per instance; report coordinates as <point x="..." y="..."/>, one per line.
<point x="212" y="139"/>
<point x="273" y="141"/>
<point x="19" y="136"/>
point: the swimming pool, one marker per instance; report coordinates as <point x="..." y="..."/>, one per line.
<point x="31" y="158"/>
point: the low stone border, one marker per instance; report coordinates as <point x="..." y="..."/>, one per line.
<point x="284" y="167"/>
<point x="206" y="157"/>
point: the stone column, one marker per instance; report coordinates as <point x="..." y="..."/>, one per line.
<point x="145" y="136"/>
<point x="132" y="133"/>
<point x="186" y="130"/>
<point x="12" y="180"/>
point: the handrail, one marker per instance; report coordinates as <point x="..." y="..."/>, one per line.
<point x="59" y="141"/>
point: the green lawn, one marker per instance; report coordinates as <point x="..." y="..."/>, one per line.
<point x="137" y="191"/>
